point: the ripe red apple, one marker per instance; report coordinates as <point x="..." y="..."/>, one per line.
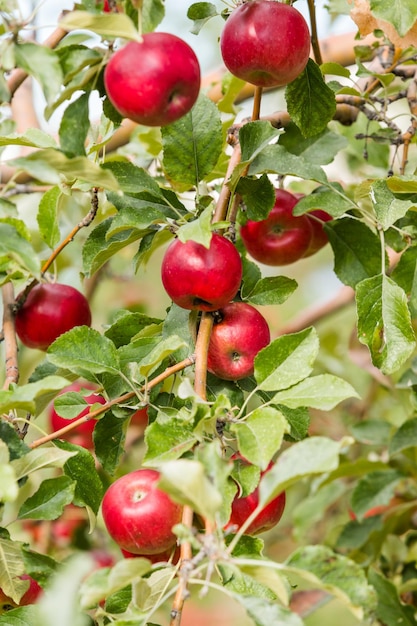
<point x="319" y="237"/>
<point x="29" y="597"/>
<point x="48" y="311"/>
<point x="239" y="332"/>
<point x="155" y="81"/>
<point x="140" y="417"/>
<point x="265" y="43"/>
<point x="82" y="435"/>
<point x="281" y="238"/>
<point x="196" y="277"/>
<point x="242" y="507"/>
<point x="108" y="9"/>
<point x="138" y="515"/>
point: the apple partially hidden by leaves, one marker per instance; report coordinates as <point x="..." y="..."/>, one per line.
<point x="244" y="505"/>
<point x="265" y="43"/>
<point x="196" y="277"/>
<point x="281" y="238"/>
<point x="154" y="81"/>
<point x="319" y="237"/>
<point x="29" y="597"/>
<point x="50" y="310"/>
<point x="82" y="434"/>
<point x="138" y="515"/>
<point x="239" y="333"/>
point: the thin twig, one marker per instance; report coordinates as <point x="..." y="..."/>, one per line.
<point x="315" y="44"/>
<point x="120" y="400"/>
<point x="10" y="342"/>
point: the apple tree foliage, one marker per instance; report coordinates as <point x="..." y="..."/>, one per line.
<point x="332" y="403"/>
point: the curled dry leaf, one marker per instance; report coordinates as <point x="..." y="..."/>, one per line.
<point x="367" y="23"/>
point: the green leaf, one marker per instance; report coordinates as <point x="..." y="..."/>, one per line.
<point x="400" y="13"/>
<point x="200" y="13"/>
<point x="15" y="247"/>
<point x="390" y="609"/>
<point x="260" y="435"/>
<point x="11" y="566"/>
<point x="311" y="103"/>
<point x="81" y="469"/>
<point x="374" y="489"/>
<point x="384" y="322"/>
<point x="32" y="137"/>
<point x="9" y="489"/>
<point x="388" y="209"/>
<point x="334" y="69"/>
<point x="83" y="351"/>
<point x="32" y="397"/>
<point x="255" y="137"/>
<point x="98" y="249"/>
<point x="133" y="179"/>
<point x="344" y="578"/>
<point x="49" y="500"/>
<point x="336" y="204"/>
<point x="287" y="360"/>
<point x="193" y="144"/>
<point x="49" y="166"/>
<point x="186" y="482"/>
<point x="42" y="63"/>
<point x="163" y="349"/>
<point x="40" y="458"/>
<point x="242" y="583"/>
<point x="74" y="126"/>
<point x="372" y="432"/>
<point x="127" y="325"/>
<point x="405" y="275"/>
<point x="320" y="149"/>
<point x="22" y="616"/>
<point x="168" y="441"/>
<point x="357" y="250"/>
<point x="404" y="438"/>
<point x="198" y="230"/>
<point x="153" y="12"/>
<point x="109" y="438"/>
<point x="322" y="392"/>
<point x="108" y="26"/>
<point x="258" y="195"/>
<point x="309" y="457"/>
<point x="275" y="159"/>
<point x="263" y="612"/>
<point x="270" y="290"/>
<point x="47" y="217"/>
<point x="16" y="447"/>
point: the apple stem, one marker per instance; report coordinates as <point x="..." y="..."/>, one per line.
<point x="201" y="351"/>
<point x="257" y="98"/>
<point x="9" y="334"/>
<point x="174" y="369"/>
<point x="314" y="37"/>
<point x="222" y="205"/>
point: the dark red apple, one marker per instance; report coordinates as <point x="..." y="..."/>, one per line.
<point x="265" y="43"/>
<point x="154" y="81"/>
<point x="319" y="237"/>
<point x="196" y="277"/>
<point x="239" y="332"/>
<point x="29" y="597"/>
<point x="170" y="555"/>
<point x="138" y="515"/>
<point x="81" y="435"/>
<point x="244" y="506"/>
<point x="281" y="238"/>
<point x="140" y="417"/>
<point x="50" y="310"/>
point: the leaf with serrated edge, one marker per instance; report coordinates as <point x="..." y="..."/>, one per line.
<point x="48" y="502"/>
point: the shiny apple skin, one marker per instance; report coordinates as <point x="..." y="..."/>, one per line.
<point x="281" y="238"/>
<point x="153" y="82"/>
<point x="196" y="277"/>
<point x="265" y="43"/>
<point x="242" y="507"/>
<point x="50" y="310"/>
<point x="138" y="515"/>
<point x="83" y="434"/>
<point x="236" y="340"/>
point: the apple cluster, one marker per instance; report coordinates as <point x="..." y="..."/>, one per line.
<point x="283" y="238"/>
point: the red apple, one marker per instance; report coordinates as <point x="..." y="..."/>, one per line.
<point x="196" y="277"/>
<point x="108" y="9"/>
<point x="319" y="237"/>
<point x="29" y="597"/>
<point x="138" y="515"/>
<point x="239" y="332"/>
<point x="265" y="43"/>
<point x="155" y="81"/>
<point x="82" y="435"/>
<point x="242" y="507"/>
<point x="140" y="417"/>
<point x="63" y="529"/>
<point x="281" y="238"/>
<point x="48" y="311"/>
